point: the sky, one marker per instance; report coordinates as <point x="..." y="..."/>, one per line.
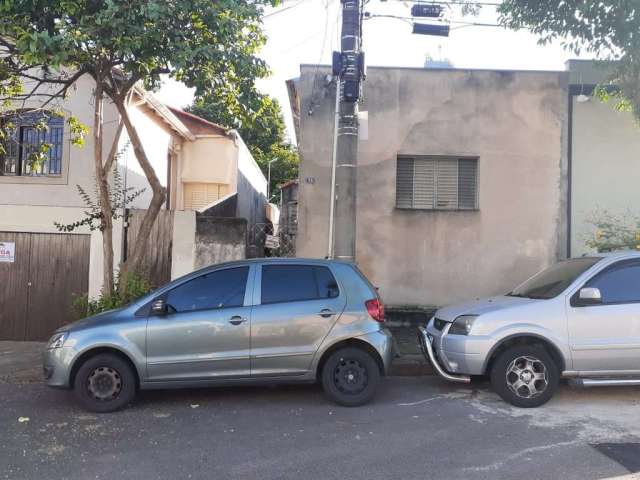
<point x="307" y="31"/>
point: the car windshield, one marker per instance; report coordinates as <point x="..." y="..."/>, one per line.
<point x="554" y="280"/>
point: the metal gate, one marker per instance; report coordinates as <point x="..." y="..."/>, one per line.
<point x="263" y="243"/>
<point x="38" y="283"/>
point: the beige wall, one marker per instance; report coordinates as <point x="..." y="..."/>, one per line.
<point x="513" y="121"/>
<point x="209" y="160"/>
<point x="605" y="166"/>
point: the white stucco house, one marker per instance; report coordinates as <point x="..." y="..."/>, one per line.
<point x="198" y="162"/>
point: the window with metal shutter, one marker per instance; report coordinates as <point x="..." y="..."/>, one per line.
<point x="424" y="185"/>
<point x="404" y="183"/>
<point x="467" y="184"/>
<point x="437" y="183"/>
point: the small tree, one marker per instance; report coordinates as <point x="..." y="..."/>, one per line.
<point x="613" y="232"/>
<point x="609" y="30"/>
<point x="119" y="43"/>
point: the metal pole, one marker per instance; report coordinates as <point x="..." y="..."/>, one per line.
<point x="269" y="178"/>
<point x="332" y="204"/>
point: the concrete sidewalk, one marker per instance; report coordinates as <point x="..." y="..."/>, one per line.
<point x="20" y="362"/>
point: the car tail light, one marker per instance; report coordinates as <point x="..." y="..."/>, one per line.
<point x="375" y="309"/>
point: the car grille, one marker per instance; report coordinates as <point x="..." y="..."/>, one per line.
<point x="439" y="324"/>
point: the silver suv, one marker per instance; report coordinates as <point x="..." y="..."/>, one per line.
<point x="255" y="321"/>
<point x="579" y="319"/>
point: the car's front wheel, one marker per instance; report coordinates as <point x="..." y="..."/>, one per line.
<point x="104" y="383"/>
<point x="525" y="376"/>
<point x="350" y="377"/>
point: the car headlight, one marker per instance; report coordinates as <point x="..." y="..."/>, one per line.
<point x="57" y="341"/>
<point x="462" y="325"/>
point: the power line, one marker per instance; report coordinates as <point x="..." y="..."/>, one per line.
<point x="455" y="2"/>
<point x="455" y="22"/>
<point x="284" y="9"/>
<point x="327" y="3"/>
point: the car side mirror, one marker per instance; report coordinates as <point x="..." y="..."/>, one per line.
<point x="159" y="307"/>
<point x="589" y="296"/>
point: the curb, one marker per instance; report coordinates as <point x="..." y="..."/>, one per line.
<point x="410" y="366"/>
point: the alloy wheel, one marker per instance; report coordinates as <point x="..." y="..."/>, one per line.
<point x="527" y="377"/>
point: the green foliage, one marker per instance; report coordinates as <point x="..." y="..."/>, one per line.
<point x="613" y="232"/>
<point x="119" y="198"/>
<point x="261" y="125"/>
<point x="137" y="286"/>
<point x="204" y="44"/>
<point x="78" y="131"/>
<point x="609" y="30"/>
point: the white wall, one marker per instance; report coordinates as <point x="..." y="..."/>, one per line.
<point x="183" y="248"/>
<point x="251" y="186"/>
<point x="156" y="142"/>
<point x="605" y="166"/>
<point x="249" y="168"/>
<point x="78" y="162"/>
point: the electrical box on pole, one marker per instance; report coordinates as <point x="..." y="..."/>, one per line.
<point x="431" y="29"/>
<point x="432" y="10"/>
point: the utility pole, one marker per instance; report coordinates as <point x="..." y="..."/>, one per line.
<point x="269" y="179"/>
<point x="348" y="66"/>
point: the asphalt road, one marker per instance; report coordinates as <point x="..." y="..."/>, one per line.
<point x="418" y="427"/>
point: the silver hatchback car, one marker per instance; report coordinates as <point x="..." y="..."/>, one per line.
<point x="254" y="321"/>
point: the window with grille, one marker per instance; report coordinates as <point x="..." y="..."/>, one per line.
<point x="27" y="132"/>
<point x="437" y="183"/>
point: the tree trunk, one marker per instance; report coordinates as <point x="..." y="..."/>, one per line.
<point x="103" y="192"/>
<point x="132" y="264"/>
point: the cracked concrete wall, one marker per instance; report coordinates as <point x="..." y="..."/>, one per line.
<point x="219" y="240"/>
<point x="515" y="122"/>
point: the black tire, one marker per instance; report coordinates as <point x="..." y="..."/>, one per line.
<point x="350" y="377"/>
<point x="105" y="383"/>
<point x="529" y="393"/>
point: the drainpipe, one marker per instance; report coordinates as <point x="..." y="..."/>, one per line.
<point x="334" y="156"/>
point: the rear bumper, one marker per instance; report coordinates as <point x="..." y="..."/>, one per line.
<point x="382" y="341"/>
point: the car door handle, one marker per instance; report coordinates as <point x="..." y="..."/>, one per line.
<point x="326" y="313"/>
<point x="237" y="320"/>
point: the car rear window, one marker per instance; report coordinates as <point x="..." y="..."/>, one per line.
<point x="293" y="283"/>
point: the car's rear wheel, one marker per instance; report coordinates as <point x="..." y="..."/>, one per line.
<point x="350" y="377"/>
<point x="525" y="376"/>
<point x="105" y="383"/>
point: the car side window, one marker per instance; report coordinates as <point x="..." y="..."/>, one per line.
<point x="619" y="283"/>
<point x="293" y="283"/>
<point x="219" y="289"/>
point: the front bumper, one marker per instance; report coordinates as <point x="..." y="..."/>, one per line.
<point x="56" y="366"/>
<point x="455" y="354"/>
<point x="425" y="341"/>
